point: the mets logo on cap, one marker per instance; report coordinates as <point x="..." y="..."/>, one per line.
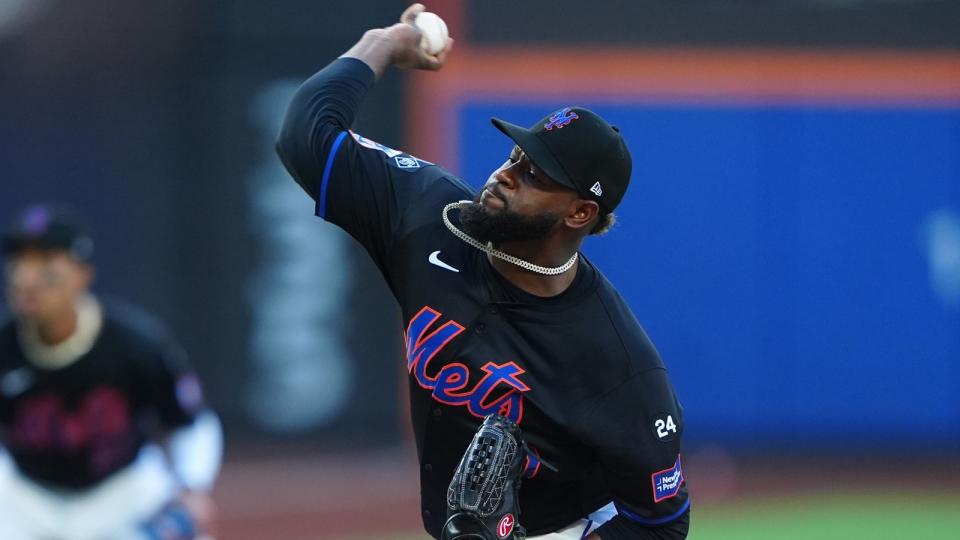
<point x="560" y="118"/>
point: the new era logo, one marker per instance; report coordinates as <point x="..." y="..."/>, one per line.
<point x="596" y="189"/>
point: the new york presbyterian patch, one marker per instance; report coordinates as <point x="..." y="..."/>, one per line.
<point x="666" y="483"/>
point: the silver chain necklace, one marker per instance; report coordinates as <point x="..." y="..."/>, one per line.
<point x="545" y="270"/>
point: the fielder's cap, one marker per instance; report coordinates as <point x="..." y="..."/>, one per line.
<point x="578" y="149"/>
<point x="50" y="228"/>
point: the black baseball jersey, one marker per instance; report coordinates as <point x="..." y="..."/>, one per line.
<point x="74" y="426"/>
<point x="576" y="371"/>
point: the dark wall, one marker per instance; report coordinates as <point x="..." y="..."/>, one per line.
<point x="795" y="23"/>
<point x="157" y="122"/>
<point x="319" y="370"/>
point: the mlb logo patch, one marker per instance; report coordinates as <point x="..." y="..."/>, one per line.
<point x="407" y="162"/>
<point x="666" y="483"/>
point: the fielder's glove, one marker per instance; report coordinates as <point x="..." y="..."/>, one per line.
<point x="482" y="497"/>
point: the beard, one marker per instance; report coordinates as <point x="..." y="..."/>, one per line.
<point x="504" y="226"/>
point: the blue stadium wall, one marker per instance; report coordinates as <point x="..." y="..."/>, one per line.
<point x="790" y="255"/>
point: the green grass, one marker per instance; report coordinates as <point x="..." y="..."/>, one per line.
<point x="852" y="516"/>
<point x="837" y="516"/>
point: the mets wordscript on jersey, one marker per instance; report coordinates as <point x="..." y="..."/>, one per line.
<point x="100" y="423"/>
<point x="451" y="384"/>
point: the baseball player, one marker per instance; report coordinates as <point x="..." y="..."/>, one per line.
<point x="87" y="387"/>
<point x="503" y="314"/>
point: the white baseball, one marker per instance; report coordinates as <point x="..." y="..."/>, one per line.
<point x="434" y="32"/>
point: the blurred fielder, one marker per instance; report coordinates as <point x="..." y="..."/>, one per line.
<point x="86" y="389"/>
<point x="504" y="317"/>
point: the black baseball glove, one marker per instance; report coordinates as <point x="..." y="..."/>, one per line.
<point x="482" y="497"/>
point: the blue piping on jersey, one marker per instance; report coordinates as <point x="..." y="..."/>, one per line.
<point x="321" y="209"/>
<point x="586" y="530"/>
<point x="658" y="521"/>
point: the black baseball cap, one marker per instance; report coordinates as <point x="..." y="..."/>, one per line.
<point x="49" y="227"/>
<point x="579" y="149"/>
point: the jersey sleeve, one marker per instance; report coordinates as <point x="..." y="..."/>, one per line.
<point x="635" y="431"/>
<point x="172" y="390"/>
<point x="362" y="186"/>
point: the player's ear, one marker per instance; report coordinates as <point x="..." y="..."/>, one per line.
<point x="87" y="274"/>
<point x="582" y="214"/>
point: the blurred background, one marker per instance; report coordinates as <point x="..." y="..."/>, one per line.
<point x="791" y="240"/>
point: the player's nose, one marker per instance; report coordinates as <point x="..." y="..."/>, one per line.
<point x="505" y="179"/>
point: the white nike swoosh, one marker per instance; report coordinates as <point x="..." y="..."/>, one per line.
<point x="434" y="258"/>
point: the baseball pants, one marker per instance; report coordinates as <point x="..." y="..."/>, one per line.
<point x="581" y="528"/>
<point x="112" y="510"/>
